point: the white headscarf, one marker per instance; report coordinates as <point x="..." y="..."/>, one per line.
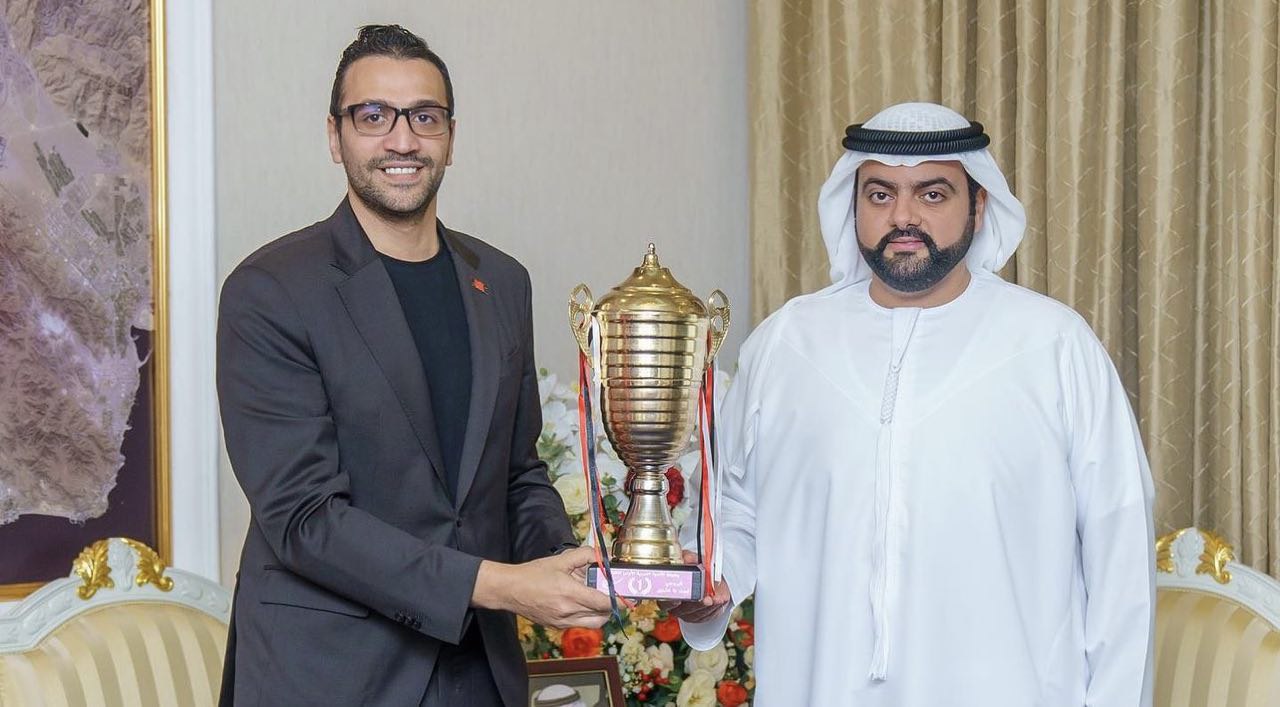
<point x="1003" y="222"/>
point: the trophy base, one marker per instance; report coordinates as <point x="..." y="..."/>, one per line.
<point x="671" y="582"/>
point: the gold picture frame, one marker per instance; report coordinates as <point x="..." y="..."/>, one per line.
<point x="597" y="680"/>
<point x="155" y="382"/>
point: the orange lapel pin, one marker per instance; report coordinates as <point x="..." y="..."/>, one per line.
<point x="479" y="285"/>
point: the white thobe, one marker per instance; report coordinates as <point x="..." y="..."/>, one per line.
<point x="936" y="507"/>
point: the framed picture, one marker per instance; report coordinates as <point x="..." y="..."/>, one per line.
<point x="590" y="682"/>
<point x="84" y="444"/>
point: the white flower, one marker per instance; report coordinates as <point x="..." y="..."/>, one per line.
<point x="547" y="385"/>
<point x="573" y="490"/>
<point x="679" y="515"/>
<point x="644" y="623"/>
<point x="698" y="690"/>
<point x="661" y="659"/>
<point x="610" y="467"/>
<point x="714" y="662"/>
<point x="561" y="422"/>
<point x="634" y="658"/>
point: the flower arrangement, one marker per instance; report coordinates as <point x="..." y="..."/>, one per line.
<point x="657" y="666"/>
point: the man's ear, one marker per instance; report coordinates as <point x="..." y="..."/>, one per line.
<point x="334" y="129"/>
<point x="979" y="208"/>
<point x="453" y="130"/>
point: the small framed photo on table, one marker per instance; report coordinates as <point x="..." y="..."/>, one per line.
<point x="575" y="682"/>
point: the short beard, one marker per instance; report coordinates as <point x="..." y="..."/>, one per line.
<point x="912" y="273"/>
<point x="379" y="201"/>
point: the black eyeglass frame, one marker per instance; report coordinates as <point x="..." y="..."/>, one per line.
<point x="350" y="111"/>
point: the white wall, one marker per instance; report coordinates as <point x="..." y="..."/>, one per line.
<point x="585" y="130"/>
<point x="192" y="281"/>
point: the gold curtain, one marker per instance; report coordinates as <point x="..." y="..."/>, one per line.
<point x="1140" y="136"/>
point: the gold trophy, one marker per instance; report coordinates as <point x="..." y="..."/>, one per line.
<point x="656" y="340"/>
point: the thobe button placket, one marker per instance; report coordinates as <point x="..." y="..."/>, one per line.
<point x="889" y="516"/>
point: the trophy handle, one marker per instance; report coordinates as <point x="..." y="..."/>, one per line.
<point x="580" y="305"/>
<point x="718" y="309"/>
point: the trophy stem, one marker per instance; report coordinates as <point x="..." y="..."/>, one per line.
<point x="647" y="535"/>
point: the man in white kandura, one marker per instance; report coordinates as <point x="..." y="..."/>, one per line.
<point x="933" y="481"/>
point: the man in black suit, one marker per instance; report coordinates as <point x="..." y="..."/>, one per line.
<point x="380" y="406"/>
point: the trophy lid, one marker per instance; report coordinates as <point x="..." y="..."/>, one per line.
<point x="651" y="288"/>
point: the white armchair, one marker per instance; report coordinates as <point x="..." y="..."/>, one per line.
<point x="1217" y="626"/>
<point x="121" y="629"/>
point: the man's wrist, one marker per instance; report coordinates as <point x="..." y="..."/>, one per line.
<point x="491" y="585"/>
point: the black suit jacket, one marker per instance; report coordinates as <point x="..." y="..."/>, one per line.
<point x="357" y="565"/>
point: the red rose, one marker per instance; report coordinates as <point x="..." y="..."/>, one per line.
<point x="748" y="630"/>
<point x="581" y="642"/>
<point x="666" y="630"/>
<point x="730" y="693"/>
<point x="675" y="487"/>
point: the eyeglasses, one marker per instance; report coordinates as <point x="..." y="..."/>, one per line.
<point x="376" y="119"/>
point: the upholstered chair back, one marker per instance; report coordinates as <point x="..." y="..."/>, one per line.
<point x="121" y="630"/>
<point x="1217" y="626"/>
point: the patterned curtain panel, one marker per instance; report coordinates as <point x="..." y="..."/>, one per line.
<point x="1141" y="136"/>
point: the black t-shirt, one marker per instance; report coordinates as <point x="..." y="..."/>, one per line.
<point x="432" y="304"/>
